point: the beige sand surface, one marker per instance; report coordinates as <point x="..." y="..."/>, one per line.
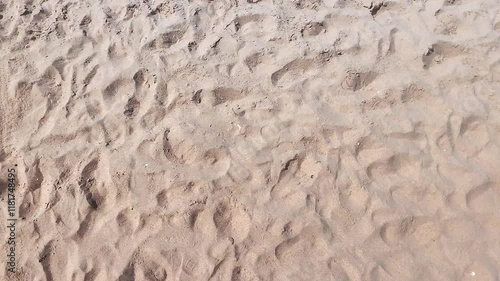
<point x="251" y="140"/>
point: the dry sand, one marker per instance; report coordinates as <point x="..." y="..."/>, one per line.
<point x="251" y="140"/>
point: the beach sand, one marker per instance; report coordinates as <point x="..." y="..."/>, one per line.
<point x="250" y="139"/>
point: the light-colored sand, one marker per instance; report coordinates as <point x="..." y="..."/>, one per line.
<point x="252" y="140"/>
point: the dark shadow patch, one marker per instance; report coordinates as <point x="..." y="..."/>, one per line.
<point x="87" y="181"/>
<point x="45" y="257"/>
<point x="131" y="107"/>
<point x="197" y="96"/>
<point x="4" y="185"/>
<point x="129" y="273"/>
<point x="375" y="8"/>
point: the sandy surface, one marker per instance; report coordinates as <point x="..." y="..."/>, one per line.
<point x="251" y="140"/>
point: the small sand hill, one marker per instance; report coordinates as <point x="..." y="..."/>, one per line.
<point x="252" y="139"/>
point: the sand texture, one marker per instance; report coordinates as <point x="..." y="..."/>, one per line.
<point x="251" y="139"/>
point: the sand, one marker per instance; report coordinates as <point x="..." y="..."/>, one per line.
<point x="251" y="139"/>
